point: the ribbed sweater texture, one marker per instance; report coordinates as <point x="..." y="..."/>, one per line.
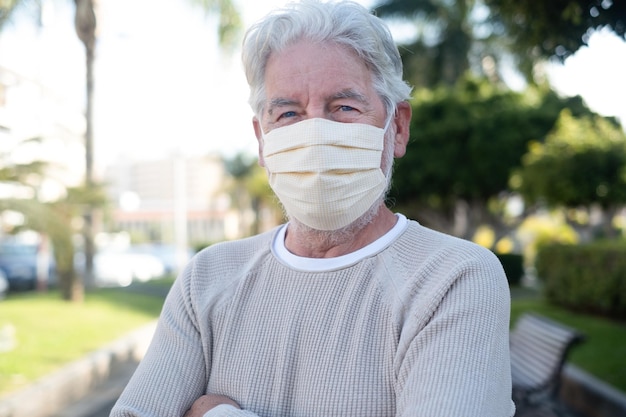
<point x="418" y="329"/>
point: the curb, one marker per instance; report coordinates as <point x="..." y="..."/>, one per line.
<point x="53" y="393"/>
<point x="590" y="396"/>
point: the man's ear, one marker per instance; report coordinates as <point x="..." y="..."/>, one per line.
<point x="256" y="124"/>
<point x="402" y="121"/>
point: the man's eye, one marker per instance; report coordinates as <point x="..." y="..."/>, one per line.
<point x="287" y="114"/>
<point x="346" y="108"/>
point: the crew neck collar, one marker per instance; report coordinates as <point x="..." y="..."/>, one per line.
<point x="329" y="264"/>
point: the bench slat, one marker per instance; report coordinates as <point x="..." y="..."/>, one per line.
<point x="539" y="348"/>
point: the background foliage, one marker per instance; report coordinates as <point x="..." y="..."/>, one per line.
<point x="587" y="278"/>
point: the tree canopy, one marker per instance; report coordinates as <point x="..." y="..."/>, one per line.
<point x="582" y="162"/>
<point x="442" y="52"/>
<point x="556" y="28"/>
<point x="454" y="36"/>
<point x="466" y="141"/>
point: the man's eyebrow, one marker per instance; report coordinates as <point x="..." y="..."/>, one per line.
<point x="351" y="94"/>
<point x="280" y="102"/>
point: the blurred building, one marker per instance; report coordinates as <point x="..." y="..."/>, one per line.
<point x="173" y="199"/>
<point x="183" y="201"/>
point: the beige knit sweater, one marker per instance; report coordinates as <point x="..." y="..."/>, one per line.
<point x="419" y="328"/>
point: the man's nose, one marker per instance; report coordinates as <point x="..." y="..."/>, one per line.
<point x="317" y="112"/>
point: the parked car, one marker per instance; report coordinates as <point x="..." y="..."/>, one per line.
<point x="18" y="262"/>
<point x="167" y="254"/>
<point x="121" y="267"/>
<point x="4" y="285"/>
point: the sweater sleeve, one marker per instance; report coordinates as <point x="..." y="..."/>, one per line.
<point x="456" y="362"/>
<point x="173" y="373"/>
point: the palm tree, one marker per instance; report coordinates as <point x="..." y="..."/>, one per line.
<point x="452" y="38"/>
<point x="240" y="167"/>
<point x="85" y="24"/>
<point x="228" y="27"/>
<point x="440" y="54"/>
<point x="249" y="189"/>
<point x="7" y="8"/>
<point x="53" y="219"/>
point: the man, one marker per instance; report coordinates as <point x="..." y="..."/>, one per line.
<point x="348" y="309"/>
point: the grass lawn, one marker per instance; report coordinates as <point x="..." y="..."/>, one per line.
<point x="50" y="332"/>
<point x="601" y="354"/>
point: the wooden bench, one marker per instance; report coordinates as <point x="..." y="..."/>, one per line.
<point x="539" y="348"/>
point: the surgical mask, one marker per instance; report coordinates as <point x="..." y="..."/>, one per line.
<point x="326" y="174"/>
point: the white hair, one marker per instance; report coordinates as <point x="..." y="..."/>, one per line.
<point x="340" y="22"/>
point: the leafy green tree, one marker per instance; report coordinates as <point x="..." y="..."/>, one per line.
<point x="262" y="197"/>
<point x="441" y="52"/>
<point x="556" y="28"/>
<point x="21" y="173"/>
<point x="249" y="188"/>
<point x="466" y="141"/>
<point x="581" y="164"/>
<point x="229" y="24"/>
<point x="454" y="36"/>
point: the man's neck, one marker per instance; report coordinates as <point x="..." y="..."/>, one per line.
<point x="315" y="245"/>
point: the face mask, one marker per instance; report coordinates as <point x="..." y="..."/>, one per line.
<point x="326" y="174"/>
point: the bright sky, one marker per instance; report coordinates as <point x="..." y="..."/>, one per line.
<point x="597" y="73"/>
<point x="163" y="85"/>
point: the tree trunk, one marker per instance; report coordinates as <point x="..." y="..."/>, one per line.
<point x="85" y="25"/>
<point x="88" y="233"/>
<point x="70" y="285"/>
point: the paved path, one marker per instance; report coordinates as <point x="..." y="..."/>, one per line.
<point x="100" y="401"/>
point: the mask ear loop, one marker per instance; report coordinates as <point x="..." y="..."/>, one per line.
<point x="388" y="122"/>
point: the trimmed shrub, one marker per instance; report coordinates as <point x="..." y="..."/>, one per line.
<point x="587" y="278"/>
<point x="513" y="265"/>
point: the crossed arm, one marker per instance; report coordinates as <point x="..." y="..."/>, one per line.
<point x="206" y="403"/>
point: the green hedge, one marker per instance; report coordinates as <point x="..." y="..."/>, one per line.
<point x="513" y="265"/>
<point x="586" y="278"/>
